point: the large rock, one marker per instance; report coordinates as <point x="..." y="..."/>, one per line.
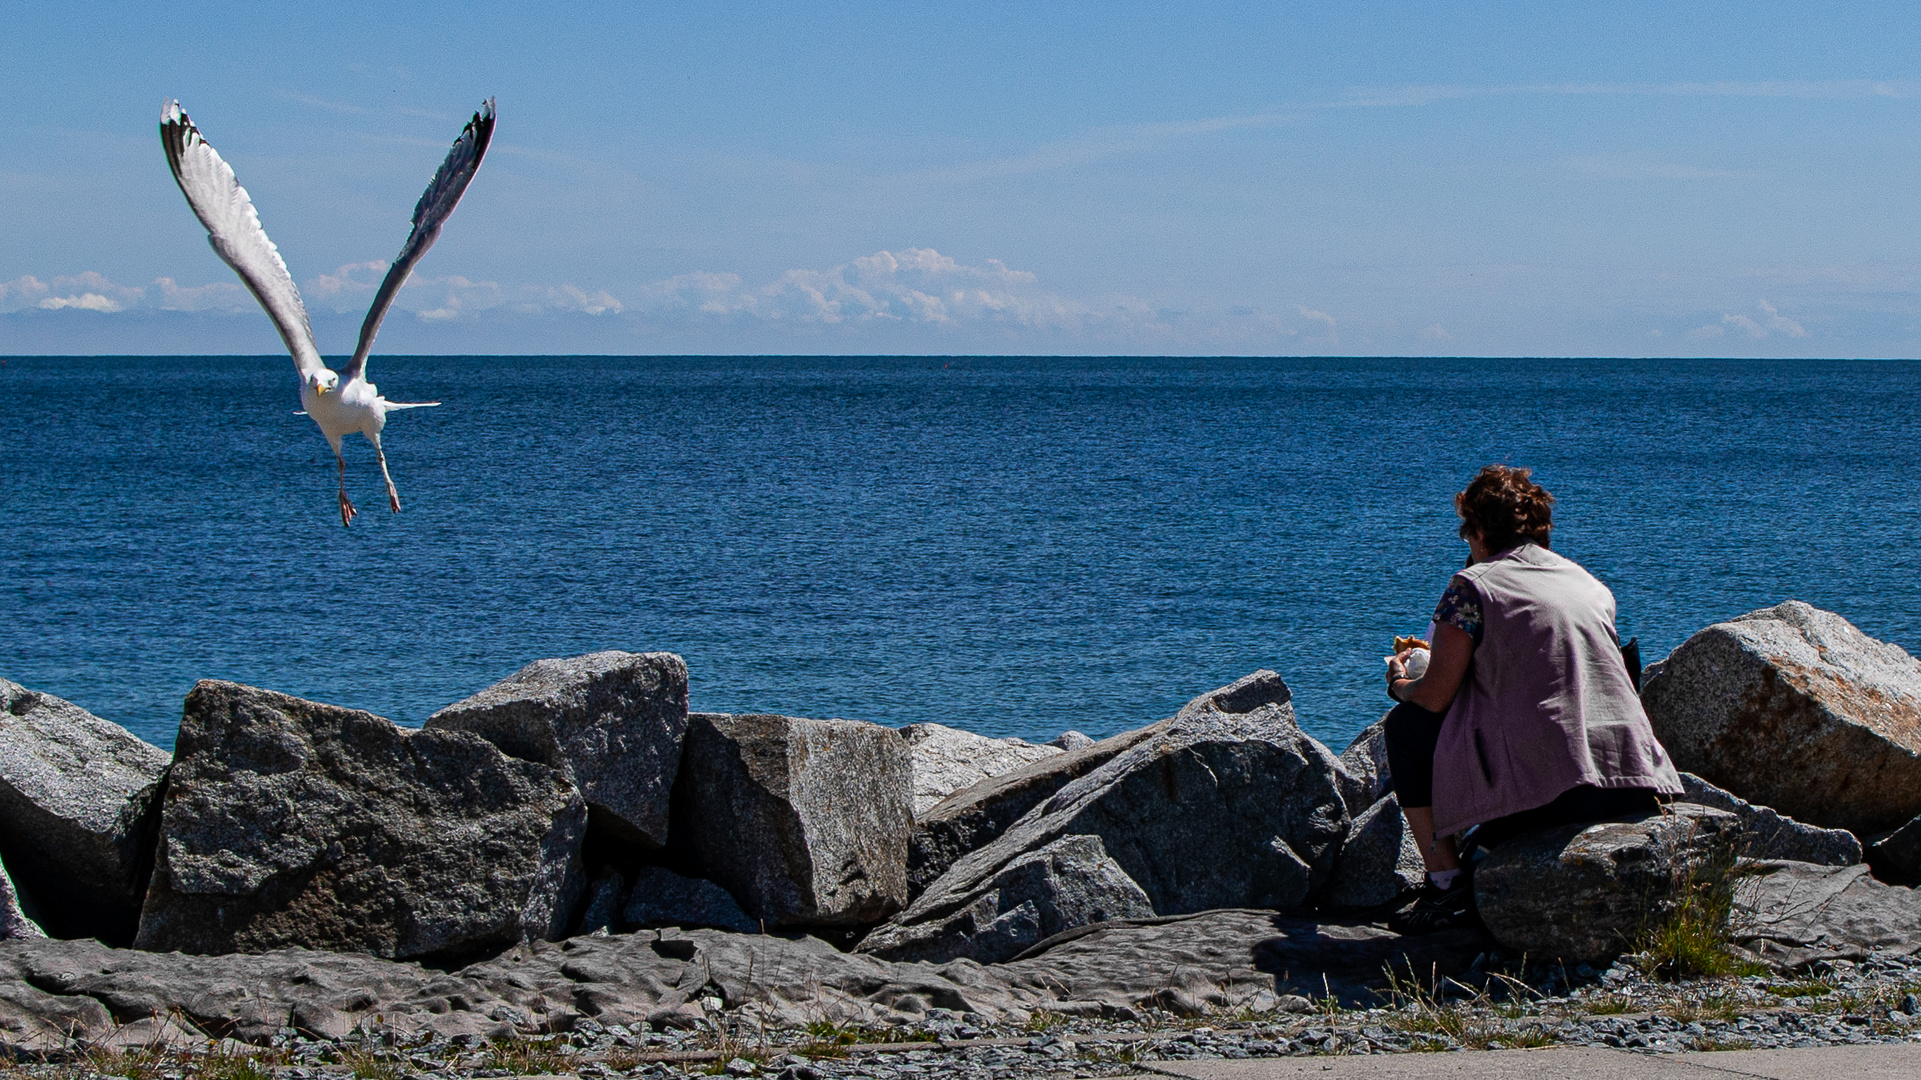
<point x="1772" y="836"/>
<point x="76" y="813"/>
<point x="1215" y="810"/>
<point x="1581" y="893"/>
<point x="661" y="897"/>
<point x="288" y="822"/>
<point x="1792" y="707"/>
<point x="1365" y="776"/>
<point x="1379" y="865"/>
<point x="948" y="759"/>
<point x="612" y="720"/>
<point x="973" y="817"/>
<point x="1066" y="884"/>
<point x="805" y="822"/>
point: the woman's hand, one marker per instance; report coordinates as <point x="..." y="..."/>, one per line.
<point x="1446" y="668"/>
<point x="1397" y="664"/>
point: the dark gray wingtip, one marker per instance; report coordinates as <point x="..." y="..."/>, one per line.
<point x="482" y="128"/>
<point x="176" y="132"/>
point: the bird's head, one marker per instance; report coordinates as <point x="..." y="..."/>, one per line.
<point x="323" y="381"/>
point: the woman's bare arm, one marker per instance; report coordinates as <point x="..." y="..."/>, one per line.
<point x="1446" y="667"/>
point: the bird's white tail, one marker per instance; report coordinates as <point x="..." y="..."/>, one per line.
<point x="410" y="404"/>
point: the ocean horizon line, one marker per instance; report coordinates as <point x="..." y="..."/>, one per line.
<point x="1302" y="357"/>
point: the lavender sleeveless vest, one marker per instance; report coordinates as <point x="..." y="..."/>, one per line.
<point x="1547" y="704"/>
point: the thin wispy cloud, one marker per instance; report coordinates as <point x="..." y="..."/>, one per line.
<point x="322" y="103"/>
<point x="1101" y="143"/>
<point x="1095" y="145"/>
<point x="1404" y="96"/>
<point x="1617" y="167"/>
<point x="349" y="109"/>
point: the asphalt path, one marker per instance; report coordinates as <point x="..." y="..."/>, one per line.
<point x="1884" y="1061"/>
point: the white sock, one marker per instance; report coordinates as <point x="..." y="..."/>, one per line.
<point x="1444" y="879"/>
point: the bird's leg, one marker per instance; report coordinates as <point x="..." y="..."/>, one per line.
<point x="393" y="497"/>
<point x="347" y="510"/>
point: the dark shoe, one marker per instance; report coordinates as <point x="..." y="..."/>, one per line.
<point x="1437" y="909"/>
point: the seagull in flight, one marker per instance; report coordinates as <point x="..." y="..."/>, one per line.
<point x="343" y="402"/>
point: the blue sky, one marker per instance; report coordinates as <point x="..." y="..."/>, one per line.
<point x="1483" y="179"/>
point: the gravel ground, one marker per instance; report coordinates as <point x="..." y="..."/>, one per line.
<point x="1838" y="1002"/>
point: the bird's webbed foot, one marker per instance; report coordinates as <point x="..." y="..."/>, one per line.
<point x="393" y="500"/>
<point x="347" y="510"/>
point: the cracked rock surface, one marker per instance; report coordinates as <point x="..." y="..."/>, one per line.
<point x="1192" y="963"/>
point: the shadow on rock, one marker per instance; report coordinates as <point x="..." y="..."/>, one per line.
<point x="1352" y="961"/>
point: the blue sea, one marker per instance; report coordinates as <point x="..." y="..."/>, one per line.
<point x="1015" y="546"/>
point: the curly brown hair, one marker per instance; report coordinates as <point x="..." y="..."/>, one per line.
<point x="1506" y="508"/>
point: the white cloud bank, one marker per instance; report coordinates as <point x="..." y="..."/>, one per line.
<point x="934" y="297"/>
<point x="85" y="292"/>
<point x="916" y="285"/>
<point x="1770" y="322"/>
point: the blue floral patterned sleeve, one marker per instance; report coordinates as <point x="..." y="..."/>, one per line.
<point x="1460" y="607"/>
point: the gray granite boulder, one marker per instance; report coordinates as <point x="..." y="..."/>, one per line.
<point x="288" y="822"/>
<point x="804" y="822"/>
<point x="76" y="813"/>
<point x="612" y="720"/>
<point x="1379" y="865"/>
<point x="1071" y="740"/>
<point x="1582" y="893"/>
<point x="948" y="759"/>
<point x="661" y="897"/>
<point x="1896" y="857"/>
<point x="1792" y="707"/>
<point x="1213" y="810"/>
<point x="972" y="817"/>
<point x="1772" y="836"/>
<point x="1066" y="884"/>
<point x="14" y="922"/>
<point x="1365" y="775"/>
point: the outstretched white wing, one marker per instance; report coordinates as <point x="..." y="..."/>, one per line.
<point x="233" y="228"/>
<point x="436" y="205"/>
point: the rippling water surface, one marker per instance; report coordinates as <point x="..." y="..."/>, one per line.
<point x="1015" y="546"/>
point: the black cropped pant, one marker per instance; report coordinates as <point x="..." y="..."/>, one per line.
<point x="1411" y="733"/>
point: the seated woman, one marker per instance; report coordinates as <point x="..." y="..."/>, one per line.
<point x="1526" y="717"/>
